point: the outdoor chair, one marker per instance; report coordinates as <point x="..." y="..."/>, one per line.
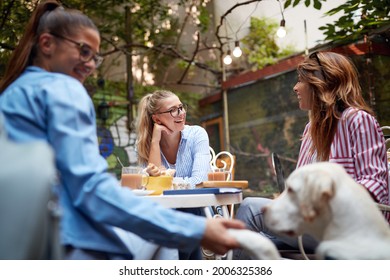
<point x="29" y="213"/>
<point x="280" y="180"/>
<point x="226" y="161"/>
<point x="278" y="171"/>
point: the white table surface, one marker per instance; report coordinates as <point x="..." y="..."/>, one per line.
<point x="197" y="200"/>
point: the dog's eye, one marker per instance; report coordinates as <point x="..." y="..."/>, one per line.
<point x="290" y="190"/>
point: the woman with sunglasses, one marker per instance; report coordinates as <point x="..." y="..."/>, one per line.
<point x="341" y="129"/>
<point x="165" y="141"/>
<point x="42" y="98"/>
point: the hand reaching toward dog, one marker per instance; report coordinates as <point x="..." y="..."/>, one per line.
<point x="256" y="245"/>
<point x="216" y="237"/>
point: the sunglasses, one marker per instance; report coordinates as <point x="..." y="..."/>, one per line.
<point x="315" y="57"/>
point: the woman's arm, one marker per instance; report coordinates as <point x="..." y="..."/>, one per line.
<point x="155" y="150"/>
<point x="94" y="192"/>
<point x="369" y="155"/>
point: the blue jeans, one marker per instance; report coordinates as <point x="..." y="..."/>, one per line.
<point x="196" y="254"/>
<point x="250" y="212"/>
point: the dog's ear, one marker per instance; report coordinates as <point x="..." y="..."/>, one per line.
<point x="318" y="189"/>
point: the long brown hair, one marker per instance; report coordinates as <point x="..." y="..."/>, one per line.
<point x="47" y="17"/>
<point x="334" y="81"/>
<point x="148" y="105"/>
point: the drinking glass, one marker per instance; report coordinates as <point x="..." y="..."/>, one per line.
<point x="134" y="177"/>
<point x="219" y="174"/>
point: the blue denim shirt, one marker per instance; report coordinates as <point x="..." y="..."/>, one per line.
<point x="56" y="108"/>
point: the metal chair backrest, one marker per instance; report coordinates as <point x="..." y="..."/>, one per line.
<point x="278" y="169"/>
<point x="221" y="159"/>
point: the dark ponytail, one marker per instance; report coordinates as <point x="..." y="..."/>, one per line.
<point x="47" y="17"/>
<point x="21" y="56"/>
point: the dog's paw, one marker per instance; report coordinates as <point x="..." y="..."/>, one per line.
<point x="256" y="245"/>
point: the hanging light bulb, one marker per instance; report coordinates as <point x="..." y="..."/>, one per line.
<point x="282" y="30"/>
<point x="281" y="33"/>
<point x="228" y="59"/>
<point x="237" y="52"/>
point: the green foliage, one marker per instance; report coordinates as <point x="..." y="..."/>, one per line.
<point x="260" y="44"/>
<point x="360" y="18"/>
<point x="148" y="20"/>
<point x="115" y="92"/>
<point x="147" y="17"/>
<point x="13" y="18"/>
<point x="204" y="19"/>
<point x="316" y="3"/>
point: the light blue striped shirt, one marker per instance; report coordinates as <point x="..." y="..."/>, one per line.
<point x="193" y="156"/>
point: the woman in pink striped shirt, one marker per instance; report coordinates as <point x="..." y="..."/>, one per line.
<point x="341" y="129"/>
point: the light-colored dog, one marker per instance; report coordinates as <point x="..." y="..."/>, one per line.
<point x="322" y="200"/>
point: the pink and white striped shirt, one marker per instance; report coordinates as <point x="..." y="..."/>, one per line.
<point x="359" y="146"/>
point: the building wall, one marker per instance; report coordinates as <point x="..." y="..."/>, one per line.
<point x="264" y="115"/>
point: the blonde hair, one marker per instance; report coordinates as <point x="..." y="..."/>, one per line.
<point x="148" y="105"/>
<point x="334" y="81"/>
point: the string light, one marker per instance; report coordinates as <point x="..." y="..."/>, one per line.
<point x="281" y="33"/>
<point x="228" y="58"/>
<point x="237" y="52"/>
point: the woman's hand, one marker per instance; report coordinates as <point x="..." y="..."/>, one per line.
<point x="216" y="237"/>
<point x="158" y="129"/>
<point x="155" y="150"/>
<point x="153" y="170"/>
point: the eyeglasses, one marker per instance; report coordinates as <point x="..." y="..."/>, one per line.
<point x="315" y="56"/>
<point x="86" y="53"/>
<point x="175" y="112"/>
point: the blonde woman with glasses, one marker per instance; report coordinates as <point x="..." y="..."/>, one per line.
<point x="164" y="140"/>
